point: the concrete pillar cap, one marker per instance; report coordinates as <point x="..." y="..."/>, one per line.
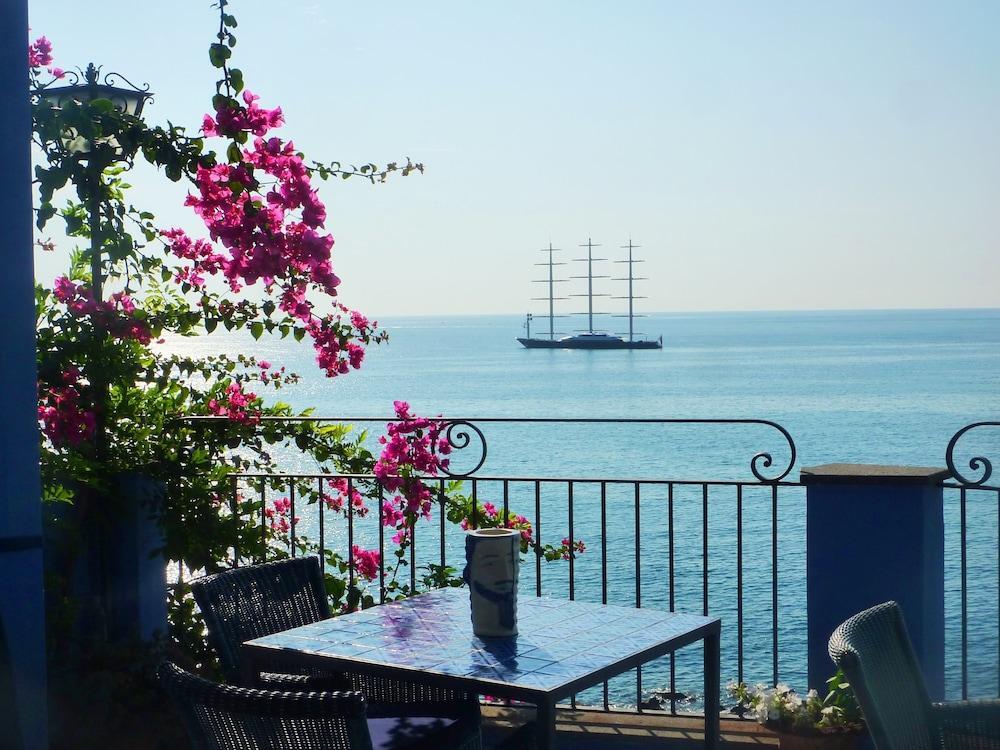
<point x="872" y="474"/>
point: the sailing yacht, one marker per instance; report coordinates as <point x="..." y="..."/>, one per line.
<point x="589" y="338"/>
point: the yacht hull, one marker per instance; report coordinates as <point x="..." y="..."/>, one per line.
<point x="583" y="342"/>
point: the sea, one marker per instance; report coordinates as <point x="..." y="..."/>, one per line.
<point x="884" y="387"/>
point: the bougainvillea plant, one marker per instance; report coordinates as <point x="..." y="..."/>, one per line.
<point x="406" y="485"/>
<point x="113" y="401"/>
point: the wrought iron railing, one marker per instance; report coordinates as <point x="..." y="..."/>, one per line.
<point x="972" y="505"/>
<point x="681" y="544"/>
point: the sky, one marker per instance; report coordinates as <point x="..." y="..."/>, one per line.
<point x="765" y="156"/>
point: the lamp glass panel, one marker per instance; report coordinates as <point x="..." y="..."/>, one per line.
<point x="129" y="102"/>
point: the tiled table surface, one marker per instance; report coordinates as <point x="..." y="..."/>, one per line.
<point x="561" y="647"/>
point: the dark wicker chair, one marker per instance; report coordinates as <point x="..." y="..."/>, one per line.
<point x="257" y="600"/>
<point x="225" y="717"/>
<point x="874" y="651"/>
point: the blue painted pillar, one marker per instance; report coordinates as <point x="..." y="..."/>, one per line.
<point x="875" y="533"/>
<point x="21" y="593"/>
<point x="137" y="576"/>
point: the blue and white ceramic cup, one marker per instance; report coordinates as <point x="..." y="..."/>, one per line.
<point x="492" y="560"/>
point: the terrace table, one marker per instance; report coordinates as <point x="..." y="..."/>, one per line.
<point x="562" y="648"/>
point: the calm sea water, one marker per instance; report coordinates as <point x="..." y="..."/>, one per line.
<point x="868" y="387"/>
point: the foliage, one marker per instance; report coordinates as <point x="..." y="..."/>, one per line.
<point x="469" y="514"/>
<point x="113" y="400"/>
<point x="413" y="455"/>
<point x="782" y="709"/>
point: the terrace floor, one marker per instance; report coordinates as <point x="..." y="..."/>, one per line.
<point x="599" y="730"/>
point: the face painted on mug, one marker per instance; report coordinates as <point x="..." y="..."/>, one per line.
<point x="496" y="570"/>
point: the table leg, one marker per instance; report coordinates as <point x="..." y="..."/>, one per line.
<point x="545" y="729"/>
<point x="712" y="677"/>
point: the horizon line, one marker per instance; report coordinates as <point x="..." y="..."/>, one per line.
<point x="703" y="312"/>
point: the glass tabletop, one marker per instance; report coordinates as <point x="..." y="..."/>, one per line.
<point x="558" y="642"/>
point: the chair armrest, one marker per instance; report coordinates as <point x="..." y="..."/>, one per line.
<point x="968" y="724"/>
<point x="190" y="691"/>
<point x="302" y="683"/>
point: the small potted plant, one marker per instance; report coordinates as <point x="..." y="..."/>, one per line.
<point x="805" y="723"/>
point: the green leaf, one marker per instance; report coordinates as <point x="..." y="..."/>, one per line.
<point x="211" y="324"/>
<point x="45" y="212"/>
<point x="299" y="333"/>
<point x="236" y="79"/>
<point x="257" y="329"/>
<point x="218" y="54"/>
<point x="102" y="105"/>
<point x="73" y="223"/>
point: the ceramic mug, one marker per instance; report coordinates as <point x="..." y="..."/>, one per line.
<point x="492" y="560"/>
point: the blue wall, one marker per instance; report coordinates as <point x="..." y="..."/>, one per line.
<point x="21" y="599"/>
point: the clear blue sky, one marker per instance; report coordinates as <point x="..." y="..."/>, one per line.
<point x="765" y="155"/>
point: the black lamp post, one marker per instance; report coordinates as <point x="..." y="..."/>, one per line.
<point x="95" y="153"/>
<point x="85" y="86"/>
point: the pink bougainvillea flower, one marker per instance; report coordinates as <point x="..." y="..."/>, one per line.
<point x="65" y="421"/>
<point x="366" y="562"/>
<point x="40" y="53"/>
<point x="273" y="236"/>
<point x="236" y="404"/>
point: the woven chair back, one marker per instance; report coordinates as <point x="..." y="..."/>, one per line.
<point x="257" y="600"/>
<point x="874" y="650"/>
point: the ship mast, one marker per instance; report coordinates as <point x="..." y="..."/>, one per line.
<point x="552" y="281"/>
<point x="590" y="282"/>
<point x="631" y="278"/>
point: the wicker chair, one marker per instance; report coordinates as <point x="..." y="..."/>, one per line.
<point x="225" y="717"/>
<point x="874" y="651"/>
<point x="253" y="601"/>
